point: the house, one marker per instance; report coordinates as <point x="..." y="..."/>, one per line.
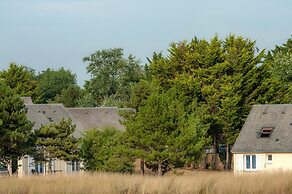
<point x="265" y="141"/>
<point x="83" y="118"/>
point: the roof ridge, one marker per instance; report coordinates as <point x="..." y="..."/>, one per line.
<point x="80" y="108"/>
<point x="45" y="104"/>
<point x="272" y="105"/>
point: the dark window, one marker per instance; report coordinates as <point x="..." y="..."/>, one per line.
<point x="270" y="157"/>
<point x="266" y="131"/>
<point x="250" y="162"/>
<point x="41" y="168"/>
<point x="77" y="166"/>
<point x="253" y="162"/>
<point x="73" y="166"/>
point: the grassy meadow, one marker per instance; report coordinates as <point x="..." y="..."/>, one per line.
<point x="197" y="182"/>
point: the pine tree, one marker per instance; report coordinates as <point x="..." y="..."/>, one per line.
<point x="104" y="150"/>
<point x="221" y="76"/>
<point x="16" y="134"/>
<point x="56" y="141"/>
<point x="163" y="135"/>
<point x="23" y="81"/>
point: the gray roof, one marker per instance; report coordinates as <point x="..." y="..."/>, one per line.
<point x="279" y="117"/>
<point x="44" y="114"/>
<point x="88" y="118"/>
<point x="84" y="118"/>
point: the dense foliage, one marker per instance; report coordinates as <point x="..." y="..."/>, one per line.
<point x="16" y="134"/>
<point x="164" y="135"/>
<point x="23" y="81"/>
<point x="221" y="78"/>
<point x="104" y="150"/>
<point x="111" y="77"/>
<point x="52" y="82"/>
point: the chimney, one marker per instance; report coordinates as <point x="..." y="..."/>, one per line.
<point x="26" y="100"/>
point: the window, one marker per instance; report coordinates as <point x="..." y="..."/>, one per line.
<point x="39" y="168"/>
<point x="75" y="166"/>
<point x="250" y="162"/>
<point x="266" y="131"/>
<point x="269" y="158"/>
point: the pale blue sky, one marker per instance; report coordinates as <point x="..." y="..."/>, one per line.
<point x="56" y="33"/>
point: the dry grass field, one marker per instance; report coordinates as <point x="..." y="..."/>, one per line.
<point x="198" y="182"/>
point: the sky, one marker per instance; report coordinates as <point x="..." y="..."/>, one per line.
<point x="45" y="34"/>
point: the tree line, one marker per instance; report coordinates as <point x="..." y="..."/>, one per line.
<point x="197" y="97"/>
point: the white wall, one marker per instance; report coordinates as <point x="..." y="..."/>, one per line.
<point x="280" y="162"/>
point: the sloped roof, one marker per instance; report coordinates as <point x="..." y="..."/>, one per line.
<point x="83" y="118"/>
<point x="279" y="117"/>
<point x="88" y="118"/>
<point x="44" y="114"/>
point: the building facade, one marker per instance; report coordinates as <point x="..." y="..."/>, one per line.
<point x="83" y="118"/>
<point x="265" y="141"/>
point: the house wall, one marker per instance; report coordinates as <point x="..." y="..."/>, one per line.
<point x="26" y="166"/>
<point x="280" y="162"/>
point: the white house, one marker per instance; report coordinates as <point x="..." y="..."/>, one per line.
<point x="265" y="141"/>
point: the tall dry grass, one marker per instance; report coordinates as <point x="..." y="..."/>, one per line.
<point x="199" y="182"/>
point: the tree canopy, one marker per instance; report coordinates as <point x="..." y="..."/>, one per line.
<point x="222" y="77"/>
<point x="52" y="82"/>
<point x="16" y="135"/>
<point x="163" y="134"/>
<point x="103" y="150"/>
<point x="22" y="80"/>
<point x="111" y="76"/>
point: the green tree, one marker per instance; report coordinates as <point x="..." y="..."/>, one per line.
<point x="52" y="82"/>
<point x="274" y="75"/>
<point x="163" y="135"/>
<point x="86" y="99"/>
<point x="56" y="140"/>
<point x="279" y="61"/>
<point x="112" y="76"/>
<point x="224" y="76"/>
<point x="16" y="134"/>
<point x="104" y="150"/>
<point x="140" y="92"/>
<point x="22" y="80"/>
<point x="69" y="96"/>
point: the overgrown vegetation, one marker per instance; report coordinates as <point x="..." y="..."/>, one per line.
<point x="196" y="183"/>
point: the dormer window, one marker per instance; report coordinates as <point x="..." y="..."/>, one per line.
<point x="266" y="131"/>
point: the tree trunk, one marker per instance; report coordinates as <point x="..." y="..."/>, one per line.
<point x="193" y="165"/>
<point x="230" y="159"/>
<point x="159" y="168"/>
<point x="214" y="158"/>
<point x="227" y="157"/>
<point x="9" y="167"/>
<point x="142" y="167"/>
